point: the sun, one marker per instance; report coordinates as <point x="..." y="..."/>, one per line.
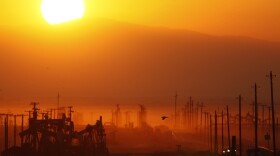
<point x="59" y="11"/>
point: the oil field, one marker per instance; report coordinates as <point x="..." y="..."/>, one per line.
<point x="191" y="130"/>
<point x="139" y="78"/>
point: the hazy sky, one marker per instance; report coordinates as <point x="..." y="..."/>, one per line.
<point x="254" y="18"/>
<point x="124" y="63"/>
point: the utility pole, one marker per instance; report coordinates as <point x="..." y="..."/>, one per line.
<point x="240" y="124"/>
<point x="6" y="132"/>
<point x="22" y="122"/>
<point x="216" y="135"/>
<point x="256" y="120"/>
<point x="205" y="126"/>
<point x="210" y="132"/>
<point x="196" y="111"/>
<point x="222" y="130"/>
<point x="271" y="76"/>
<point x="228" y="127"/>
<point x="15" y="129"/>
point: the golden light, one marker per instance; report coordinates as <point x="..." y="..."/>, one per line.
<point x="59" y="11"/>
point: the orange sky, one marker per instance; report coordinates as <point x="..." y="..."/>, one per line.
<point x="104" y="61"/>
<point x="258" y="19"/>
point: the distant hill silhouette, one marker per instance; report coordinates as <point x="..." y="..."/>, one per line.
<point x="104" y="58"/>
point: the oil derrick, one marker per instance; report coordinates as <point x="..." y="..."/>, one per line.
<point x="45" y="136"/>
<point x="142" y="116"/>
<point x="94" y="142"/>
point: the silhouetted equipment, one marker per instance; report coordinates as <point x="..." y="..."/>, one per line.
<point x="272" y="111"/>
<point x="6" y="133"/>
<point x="228" y="127"/>
<point x="210" y="131"/>
<point x="233" y="149"/>
<point x="267" y="138"/>
<point x="56" y="137"/>
<point x="196" y="115"/>
<point x="216" y="135"/>
<point x="256" y="120"/>
<point x="207" y="129"/>
<point x="15" y="127"/>
<point x="223" y="144"/>
<point x="6" y="129"/>
<point x="164" y="117"/>
<point x="240" y="128"/>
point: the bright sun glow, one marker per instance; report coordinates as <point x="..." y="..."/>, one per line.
<point x="59" y="11"/>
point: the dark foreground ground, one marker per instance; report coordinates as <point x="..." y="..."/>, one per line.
<point x="200" y="153"/>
